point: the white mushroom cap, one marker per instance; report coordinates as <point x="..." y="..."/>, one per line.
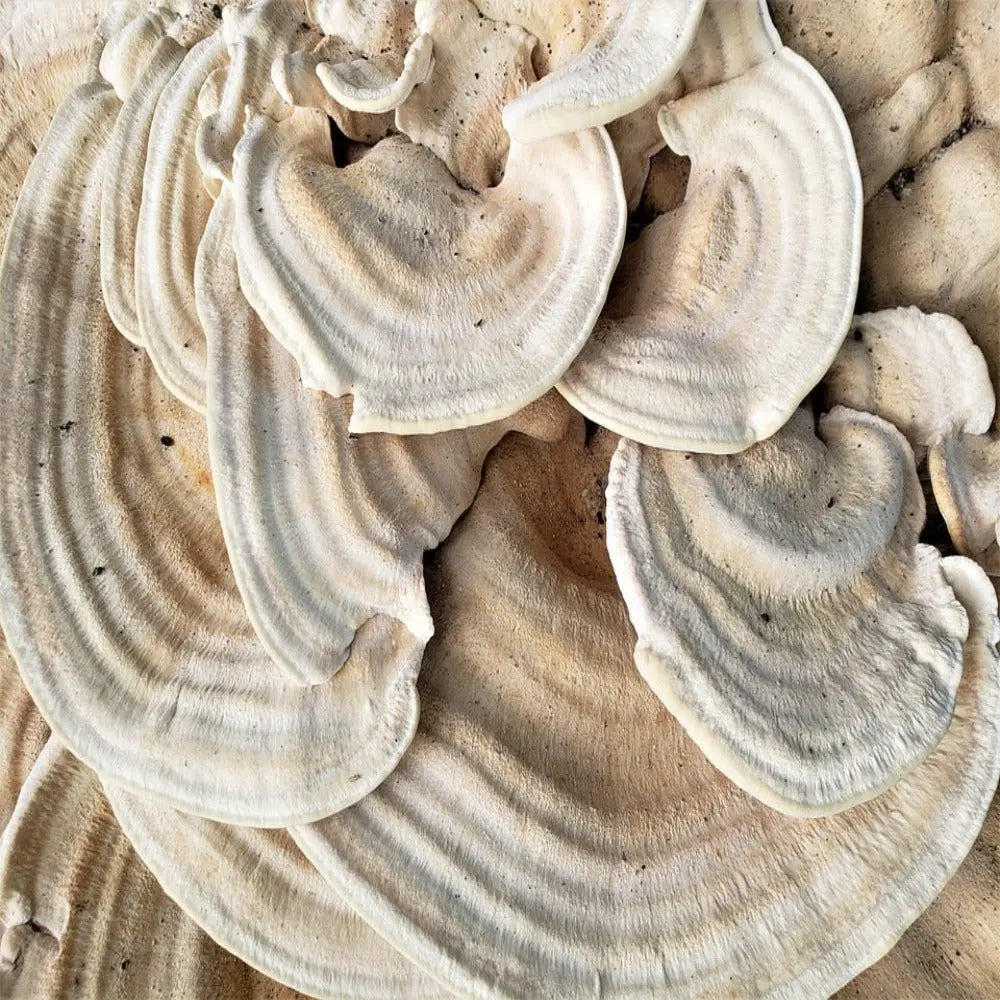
<point x="729" y="310"/>
<point x="121" y="196"/>
<point x="552" y="830"/>
<point x="965" y="477"/>
<point x="254" y="892"/>
<point x="323" y="530"/>
<point x="786" y="614"/>
<point x="919" y="371"/>
<point x="479" y="65"/>
<point x="624" y="65"/>
<point x="127" y="53"/>
<point x="85" y="919"/>
<point x="435" y="307"/>
<point x="116" y="594"/>
<point x="172" y="216"/>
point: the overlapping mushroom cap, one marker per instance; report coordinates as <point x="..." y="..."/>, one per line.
<point x="341" y="282"/>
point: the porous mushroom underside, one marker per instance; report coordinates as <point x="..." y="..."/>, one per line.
<point x="499" y="499"/>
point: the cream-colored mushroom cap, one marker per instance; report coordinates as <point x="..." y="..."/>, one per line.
<point x="627" y="62"/>
<point x="85" y="919"/>
<point x="786" y="614"/>
<point x="324" y="530"/>
<point x="552" y="831"/>
<point x="254" y="892"/>
<point x="116" y="594"/>
<point x="965" y="477"/>
<point x="919" y="371"/>
<point x="435" y="307"/>
<point x="728" y="310"/>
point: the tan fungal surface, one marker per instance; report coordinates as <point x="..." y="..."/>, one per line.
<point x="254" y="38"/>
<point x="436" y="308"/>
<point x="552" y="831"/>
<point x="786" y="614"/>
<point x="965" y="476"/>
<point x="628" y="61"/>
<point x="116" y="594"/>
<point x="83" y="918"/>
<point x="22" y="733"/>
<point x="254" y="893"/>
<point x="729" y="309"/>
<point x="479" y="65"/>
<point x="174" y="209"/>
<point x="324" y="530"/>
<point x="919" y="371"/>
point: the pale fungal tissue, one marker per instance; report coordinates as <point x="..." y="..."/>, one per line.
<point x="499" y="499"/>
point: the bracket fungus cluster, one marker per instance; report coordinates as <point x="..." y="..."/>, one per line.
<point x="498" y="498"/>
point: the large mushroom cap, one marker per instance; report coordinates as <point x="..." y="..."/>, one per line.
<point x="626" y="63"/>
<point x="553" y="832"/>
<point x="116" y="594"/>
<point x="435" y="307"/>
<point x="728" y="310"/>
<point x="786" y="614"/>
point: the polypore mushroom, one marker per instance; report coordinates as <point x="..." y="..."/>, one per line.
<point x="255" y="893"/>
<point x="172" y="216"/>
<point x="435" y="307"/>
<point x="552" y="828"/>
<point x="121" y="195"/>
<point x="479" y="65"/>
<point x="728" y="310"/>
<point x="965" y="477"/>
<point x="786" y="614"/>
<point x="116" y="594"/>
<point x="323" y="530"/>
<point x="627" y="62"/>
<point x="255" y="38"/>
<point x="919" y="371"/>
<point x="84" y="918"/>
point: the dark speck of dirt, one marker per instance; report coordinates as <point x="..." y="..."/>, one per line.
<point x="217" y="11"/>
<point x="900" y="181"/>
<point x="65" y="428"/>
<point x="167" y="441"/>
<point x="97" y="571"/>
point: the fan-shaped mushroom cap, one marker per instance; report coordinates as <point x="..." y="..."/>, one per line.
<point x="625" y="64"/>
<point x="255" y="38"/>
<point x="786" y="614"/>
<point x="905" y="127"/>
<point x="553" y="832"/>
<point x="172" y="216"/>
<point x="121" y="195"/>
<point x="254" y="892"/>
<point x="22" y="733"/>
<point x="85" y="918"/>
<point x="953" y="950"/>
<point x="364" y="85"/>
<point x="127" y="52"/>
<point x="919" y="371"/>
<point x="115" y="591"/>
<point x="323" y="531"/>
<point x="435" y="307"/>
<point x="479" y="65"/>
<point x="965" y="476"/>
<point x="731" y="308"/>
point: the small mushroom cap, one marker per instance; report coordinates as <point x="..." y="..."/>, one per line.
<point x="85" y="919"/>
<point x="121" y="195"/>
<point x="952" y="950"/>
<point x="786" y="614"/>
<point x="116" y="594"/>
<point x="919" y="371"/>
<point x="479" y="65"/>
<point x="435" y="307"/>
<point x="624" y="65"/>
<point x="254" y="892"/>
<point x="323" y="529"/>
<point x="128" y="52"/>
<point x="172" y="216"/>
<point x="552" y="827"/>
<point x="965" y="477"/>
<point x="728" y="310"/>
